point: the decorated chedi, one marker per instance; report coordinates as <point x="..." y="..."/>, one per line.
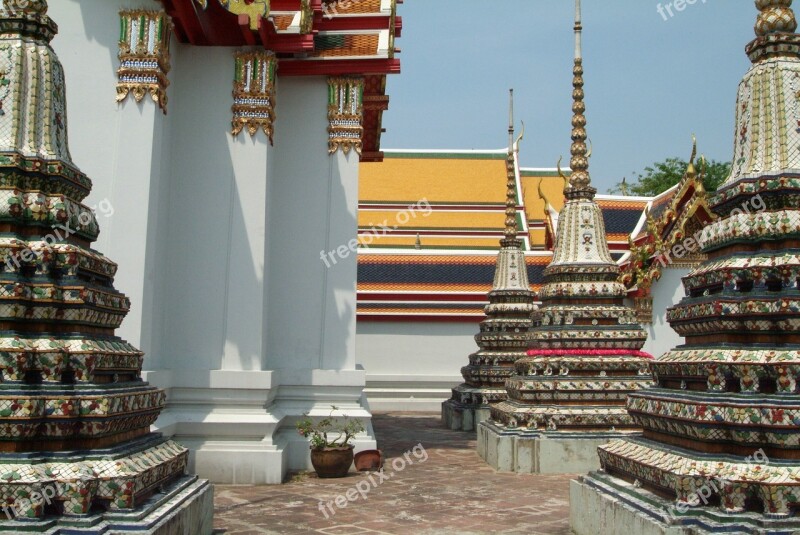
<point x="721" y="445"/>
<point x="568" y="395"/>
<point x="503" y="336"/>
<point x="76" y="452"/>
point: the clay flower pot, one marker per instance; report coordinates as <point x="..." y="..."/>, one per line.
<point x="332" y="462"/>
<point x="369" y="460"/>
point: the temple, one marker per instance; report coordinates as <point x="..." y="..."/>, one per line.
<point x="720" y="445"/>
<point x="568" y="395"/>
<point x="76" y="451"/>
<point x="503" y="336"/>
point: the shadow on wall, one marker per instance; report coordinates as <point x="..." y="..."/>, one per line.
<point x="229" y="214"/>
<point x="314" y="199"/>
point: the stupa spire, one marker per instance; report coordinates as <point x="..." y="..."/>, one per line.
<point x="511" y="228"/>
<point x="579" y="185"/>
<point x="503" y="337"/>
<point x="764" y="143"/>
<point x="583" y="356"/>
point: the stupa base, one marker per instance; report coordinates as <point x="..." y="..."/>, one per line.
<point x="603" y="505"/>
<point x="541" y="452"/>
<point x="186" y="507"/>
<point x="459" y="417"/>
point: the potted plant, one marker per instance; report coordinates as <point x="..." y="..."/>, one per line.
<point x="331" y="442"/>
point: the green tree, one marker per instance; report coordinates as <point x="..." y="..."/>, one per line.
<point x="661" y="176"/>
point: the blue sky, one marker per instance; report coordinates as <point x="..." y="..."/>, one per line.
<point x="650" y="82"/>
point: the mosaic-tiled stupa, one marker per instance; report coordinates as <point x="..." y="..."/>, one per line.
<point x="568" y="395"/>
<point x="721" y="444"/>
<point x="76" y="452"/>
<point x="503" y="336"/>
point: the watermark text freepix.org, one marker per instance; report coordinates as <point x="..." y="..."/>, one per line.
<point x="668" y="10"/>
<point x="713" y="486"/>
<point x="691" y="244"/>
<point x="60" y="233"/>
<point x="373" y="481"/>
<point x="331" y="258"/>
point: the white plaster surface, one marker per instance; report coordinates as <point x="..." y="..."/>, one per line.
<point x="667" y="292"/>
<point x="413" y="366"/>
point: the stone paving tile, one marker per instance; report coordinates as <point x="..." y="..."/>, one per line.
<point x="450" y="491"/>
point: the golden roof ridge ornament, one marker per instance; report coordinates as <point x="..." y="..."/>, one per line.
<point x="690" y="169"/>
<point x="579" y="184"/>
<point x="511" y="229"/>
<point x="542" y="196"/>
<point x="561" y="173"/>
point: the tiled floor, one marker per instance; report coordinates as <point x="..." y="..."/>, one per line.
<point x="450" y="491"/>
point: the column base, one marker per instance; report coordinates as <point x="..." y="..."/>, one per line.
<point x="604" y="505"/>
<point x="240" y="425"/>
<point x="541" y="452"/>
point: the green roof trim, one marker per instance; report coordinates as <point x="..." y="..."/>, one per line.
<point x="445" y="155"/>
<point x="549" y="173"/>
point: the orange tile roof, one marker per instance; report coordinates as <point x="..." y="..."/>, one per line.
<point x="464" y="194"/>
<point x="282" y="22"/>
<point x="349" y="45"/>
<point x="359" y="7"/>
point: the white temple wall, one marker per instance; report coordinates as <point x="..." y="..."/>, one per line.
<point x="119" y="148"/>
<point x="667" y="291"/>
<point x="311" y="321"/>
<point x="215" y="262"/>
<point x="412" y="366"/>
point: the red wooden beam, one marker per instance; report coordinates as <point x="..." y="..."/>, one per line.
<point x="247" y="33"/>
<point x="444" y="297"/>
<point x="285" y="5"/>
<point x="293" y="43"/>
<point x="267" y="31"/>
<point x="184" y="15"/>
<point x="290" y="67"/>
<point x="404" y="318"/>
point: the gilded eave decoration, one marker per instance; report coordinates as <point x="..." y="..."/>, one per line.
<point x="255" y="9"/>
<point x="144" y="56"/>
<point x="254" y="93"/>
<point x="345" y="114"/>
<point x="681" y="220"/>
<point x="306" y="17"/>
